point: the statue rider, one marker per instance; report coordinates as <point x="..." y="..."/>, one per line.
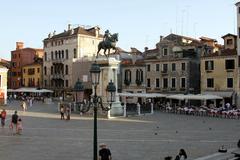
<point x="107" y="36"/>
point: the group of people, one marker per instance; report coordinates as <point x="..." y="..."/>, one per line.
<point x="16" y="122"/>
<point x="65" y="111"/>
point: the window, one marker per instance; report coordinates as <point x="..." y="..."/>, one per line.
<point x="45" y="70"/>
<point x="66" y="83"/>
<point x="31" y="71"/>
<point x="229" y="41"/>
<point x="74" y="53"/>
<point x="56" y="53"/>
<point x="238" y="32"/>
<point x="210" y="83"/>
<point x="52" y="55"/>
<point x="165" y="83"/>
<point x="229" y="82"/>
<point x="51" y="70"/>
<point x="183" y="82"/>
<point x="66" y="69"/>
<point x="173" y="66"/>
<point x="139" y="76"/>
<point x="45" y="83"/>
<point x="148" y="67"/>
<point x="165" y="51"/>
<point x="24" y="71"/>
<point x="62" y="54"/>
<point x="165" y="68"/>
<point x="45" y="56"/>
<point x="157" y="67"/>
<point x="173" y="82"/>
<point x="229" y="64"/>
<point x="66" y="54"/>
<point x="209" y="65"/>
<point x="127" y="75"/>
<point x="59" y="54"/>
<point x="157" y="83"/>
<point x="148" y="82"/>
<point x="183" y="66"/>
<point x="38" y="70"/>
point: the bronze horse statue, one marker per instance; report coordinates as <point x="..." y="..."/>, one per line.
<point x="108" y="44"/>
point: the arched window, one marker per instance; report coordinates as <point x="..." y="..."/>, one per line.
<point x="51" y="70"/>
<point x="45" y="70"/>
<point x="52" y="55"/>
<point x="74" y="53"/>
<point x="127" y="75"/>
<point x="66" y="69"/>
<point x="62" y="54"/>
<point x="45" y="56"/>
<point x="56" y="57"/>
<point x="59" y="54"/>
<point x="66" y="53"/>
<point x="139" y="76"/>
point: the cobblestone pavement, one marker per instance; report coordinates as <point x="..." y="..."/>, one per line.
<point x="151" y="137"/>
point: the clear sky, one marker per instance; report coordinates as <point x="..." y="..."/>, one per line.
<point x="138" y="22"/>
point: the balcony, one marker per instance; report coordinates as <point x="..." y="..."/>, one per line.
<point x="182" y="89"/>
<point x="57" y="76"/>
<point x="209" y="70"/>
<point x="164" y="72"/>
<point x="58" y="60"/>
<point x="229" y="70"/>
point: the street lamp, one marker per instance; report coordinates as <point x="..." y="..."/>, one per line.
<point x="96" y="100"/>
<point x="79" y="90"/>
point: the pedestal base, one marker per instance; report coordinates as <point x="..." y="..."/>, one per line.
<point x="117" y="109"/>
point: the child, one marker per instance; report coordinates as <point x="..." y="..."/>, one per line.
<point x="19" y="126"/>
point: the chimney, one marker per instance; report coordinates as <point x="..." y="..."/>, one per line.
<point x="145" y="49"/>
<point x="19" y="45"/>
<point x="161" y="38"/>
<point x="69" y="26"/>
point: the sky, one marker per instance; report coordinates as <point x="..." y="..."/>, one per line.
<point x="139" y="23"/>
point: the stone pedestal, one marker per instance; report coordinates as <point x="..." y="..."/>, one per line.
<point x="109" y="69"/>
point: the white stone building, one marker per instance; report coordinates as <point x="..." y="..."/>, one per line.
<point x="61" y="50"/>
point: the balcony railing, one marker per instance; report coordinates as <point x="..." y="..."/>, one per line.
<point x="57" y="76"/>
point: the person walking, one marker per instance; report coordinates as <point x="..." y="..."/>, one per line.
<point x="104" y="152"/>
<point x="3" y="117"/>
<point x="68" y="113"/>
<point x="19" y="126"/>
<point x="62" y="112"/>
<point x="14" y="120"/>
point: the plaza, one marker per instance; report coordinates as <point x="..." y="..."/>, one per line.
<point x="150" y="137"/>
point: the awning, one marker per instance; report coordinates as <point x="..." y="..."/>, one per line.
<point x="30" y="90"/>
<point x="220" y="93"/>
<point x="193" y="97"/>
<point x="146" y="95"/>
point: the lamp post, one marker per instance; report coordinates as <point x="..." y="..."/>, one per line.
<point x="79" y="90"/>
<point x="96" y="101"/>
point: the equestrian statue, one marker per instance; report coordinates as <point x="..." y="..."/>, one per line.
<point x="109" y="42"/>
